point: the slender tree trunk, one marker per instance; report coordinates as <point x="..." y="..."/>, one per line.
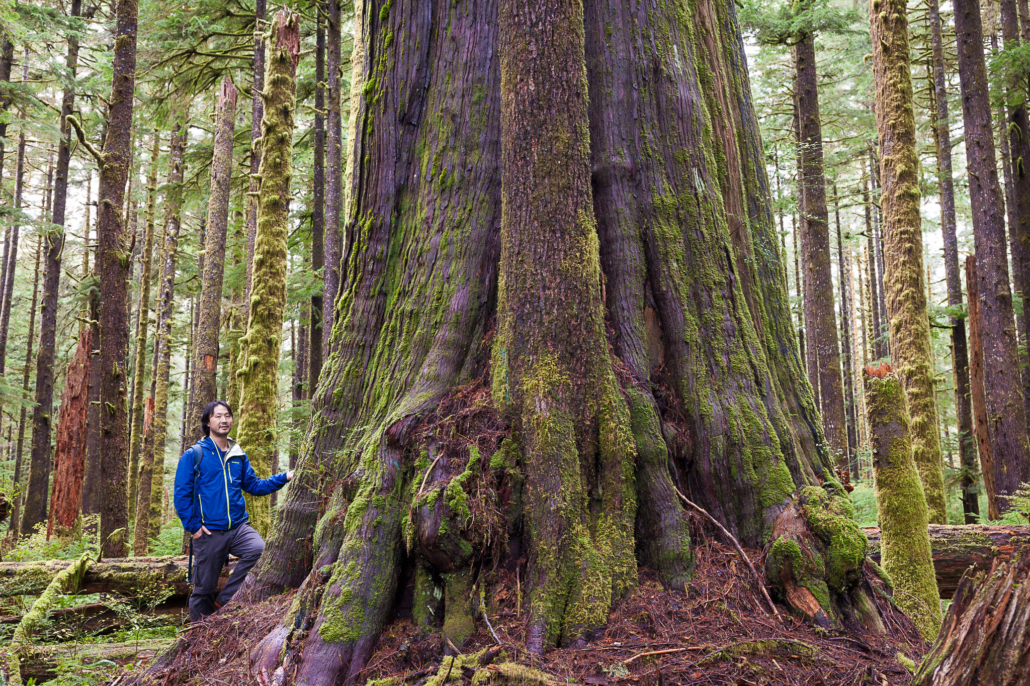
<point x="204" y="376"/>
<point x="844" y="276"/>
<point x="810" y="349"/>
<point x="905" y="278"/>
<point x="153" y="458"/>
<point x="798" y="294"/>
<point x="39" y="464"/>
<point x="26" y="375"/>
<point x="143" y="324"/>
<point x="822" y="333"/>
<point x="959" y="350"/>
<point x="1008" y="430"/>
<point x="12" y="258"/>
<point x="6" y="65"/>
<point x="905" y="543"/>
<point x="315" y="337"/>
<point x="257" y="109"/>
<point x="259" y="379"/>
<point x="333" y="171"/>
<point x="978" y="395"/>
<point x="112" y="271"/>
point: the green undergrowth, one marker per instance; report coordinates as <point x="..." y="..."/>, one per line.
<point x="864" y="500"/>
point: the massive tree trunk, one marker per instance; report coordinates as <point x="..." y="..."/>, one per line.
<point x="699" y="383"/>
<point x="259" y="375"/>
<point x="142" y="326"/>
<point x="39" y="464"/>
<point x="903" y="246"/>
<point x="959" y="349"/>
<point x="113" y="272"/>
<point x="204" y="379"/>
<point x="1005" y="410"/>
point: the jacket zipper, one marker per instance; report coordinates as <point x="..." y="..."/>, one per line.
<point x="225" y="482"/>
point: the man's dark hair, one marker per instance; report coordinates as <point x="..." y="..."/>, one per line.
<point x="205" y="418"/>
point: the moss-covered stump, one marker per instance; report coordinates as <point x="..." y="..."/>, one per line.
<point x="900" y="503"/>
<point x="817" y="560"/>
<point x="984" y="639"/>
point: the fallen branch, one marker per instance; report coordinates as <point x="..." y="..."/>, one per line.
<point x="736" y="545"/>
<point x="40" y="662"/>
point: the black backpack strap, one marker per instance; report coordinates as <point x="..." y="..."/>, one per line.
<point x="198" y="454"/>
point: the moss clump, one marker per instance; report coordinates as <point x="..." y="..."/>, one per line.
<point x="831" y="518"/>
<point x="457" y="619"/>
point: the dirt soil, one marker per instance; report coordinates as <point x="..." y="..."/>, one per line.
<point x="717" y="630"/>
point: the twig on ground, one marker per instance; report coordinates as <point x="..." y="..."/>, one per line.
<point x="736" y="545"/>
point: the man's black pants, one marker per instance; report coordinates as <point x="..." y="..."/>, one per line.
<point x="209" y="553"/>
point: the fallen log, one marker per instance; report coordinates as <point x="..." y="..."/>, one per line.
<point x="129" y="576"/>
<point x="98" y="618"/>
<point x="40" y="662"/>
<point x="955" y="548"/>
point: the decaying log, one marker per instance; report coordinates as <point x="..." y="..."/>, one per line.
<point x="99" y="618"/>
<point x="984" y="641"/>
<point x="955" y="548"/>
<point x="39" y="662"/>
<point x="127" y="576"/>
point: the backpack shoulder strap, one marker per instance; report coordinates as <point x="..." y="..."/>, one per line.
<point x="198" y="455"/>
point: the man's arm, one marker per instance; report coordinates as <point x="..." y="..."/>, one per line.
<point x="253" y="485"/>
<point x="183" y="498"/>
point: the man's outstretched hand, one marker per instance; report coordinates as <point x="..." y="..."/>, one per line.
<point x="289" y="475"/>
<point x="202" y="530"/>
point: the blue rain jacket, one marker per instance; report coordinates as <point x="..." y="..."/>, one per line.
<point x="217" y="500"/>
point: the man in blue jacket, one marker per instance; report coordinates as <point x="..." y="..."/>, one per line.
<point x="209" y="486"/>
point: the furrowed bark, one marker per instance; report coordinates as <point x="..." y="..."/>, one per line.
<point x="552" y="373"/>
<point x="204" y="378"/>
<point x="113" y="270"/>
<point x="142" y="325"/>
<point x="70" y="452"/>
<point x="148" y="498"/>
<point x="959" y="349"/>
<point x="822" y="333"/>
<point x="900" y="504"/>
<point x="39" y="465"/>
<point x="259" y="375"/>
<point x="1007" y="419"/>
<point x="905" y="278"/>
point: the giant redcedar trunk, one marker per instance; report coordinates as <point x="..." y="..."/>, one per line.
<point x="1005" y="410"/>
<point x="905" y="280"/>
<point x="70" y="453"/>
<point x="203" y="382"/>
<point x="473" y="209"/>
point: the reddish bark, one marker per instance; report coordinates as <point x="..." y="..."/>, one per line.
<point x="70" y="453"/>
<point x="978" y="394"/>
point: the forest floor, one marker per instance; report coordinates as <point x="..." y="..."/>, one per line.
<point x="718" y="630"/>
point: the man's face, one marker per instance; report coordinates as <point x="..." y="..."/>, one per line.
<point x="221" y="421"/>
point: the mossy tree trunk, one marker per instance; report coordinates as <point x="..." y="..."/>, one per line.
<point x="666" y="235"/>
<point x="259" y="370"/>
<point x="900" y="504"/>
<point x="143" y="324"/>
<point x="257" y="110"/>
<point x="822" y="330"/>
<point x="152" y="459"/>
<point x="204" y="377"/>
<point x="905" y="278"/>
<point x="35" y="510"/>
<point x="1005" y="409"/>
<point x="959" y="347"/>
